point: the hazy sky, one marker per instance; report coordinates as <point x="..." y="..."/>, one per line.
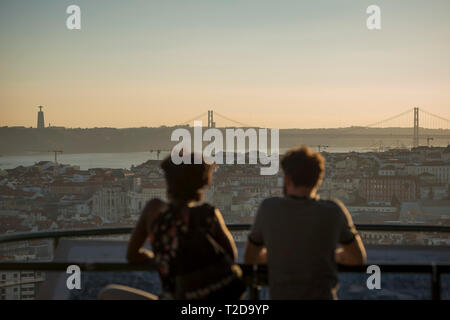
<point x="269" y="63"/>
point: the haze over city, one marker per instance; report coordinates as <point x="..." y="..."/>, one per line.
<point x="288" y="65"/>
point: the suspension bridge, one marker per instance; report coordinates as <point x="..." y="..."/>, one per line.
<point x="228" y="122"/>
<point x="423" y="124"/>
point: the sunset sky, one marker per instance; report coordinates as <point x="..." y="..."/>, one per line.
<point x="279" y="64"/>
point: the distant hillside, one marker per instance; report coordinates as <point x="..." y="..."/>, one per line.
<point x="20" y="140"/>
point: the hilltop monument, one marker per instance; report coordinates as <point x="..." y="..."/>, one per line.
<point x="40" y="120"/>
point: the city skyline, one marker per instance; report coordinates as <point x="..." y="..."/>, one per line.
<point x="296" y="65"/>
<point x="310" y="140"/>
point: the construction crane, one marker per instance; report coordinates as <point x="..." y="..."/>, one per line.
<point x="158" y="152"/>
<point x="56" y="154"/>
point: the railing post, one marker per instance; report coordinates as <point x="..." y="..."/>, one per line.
<point x="254" y="288"/>
<point x="435" y="282"/>
<point x="55" y="245"/>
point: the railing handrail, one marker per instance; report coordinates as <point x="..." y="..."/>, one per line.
<point x="107" y="231"/>
<point x="151" y="266"/>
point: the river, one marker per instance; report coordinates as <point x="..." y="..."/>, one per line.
<point x="105" y="160"/>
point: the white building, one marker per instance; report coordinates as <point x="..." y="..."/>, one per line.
<point x="110" y="203"/>
<point x="374" y="209"/>
<point x="154" y="191"/>
<point x="433" y="192"/>
<point x="136" y="201"/>
<point x="20" y="285"/>
<point x="388" y="170"/>
<point x="440" y="170"/>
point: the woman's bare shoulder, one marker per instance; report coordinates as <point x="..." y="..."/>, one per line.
<point x="152" y="209"/>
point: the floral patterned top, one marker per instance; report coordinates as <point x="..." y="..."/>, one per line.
<point x="164" y="237"/>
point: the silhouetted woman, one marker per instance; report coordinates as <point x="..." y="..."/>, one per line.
<point x="193" y="249"/>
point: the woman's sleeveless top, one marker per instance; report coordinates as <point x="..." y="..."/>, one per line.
<point x="165" y="233"/>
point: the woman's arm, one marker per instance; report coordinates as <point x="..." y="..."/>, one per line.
<point x="135" y="253"/>
<point x="223" y="236"/>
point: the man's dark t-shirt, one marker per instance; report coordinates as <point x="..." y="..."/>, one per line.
<point x="301" y="236"/>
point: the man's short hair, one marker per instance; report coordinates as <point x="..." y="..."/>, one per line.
<point x="303" y="166"/>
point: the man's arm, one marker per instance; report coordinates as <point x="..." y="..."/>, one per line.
<point x="352" y="254"/>
<point x="255" y="250"/>
<point x="351" y="251"/>
<point x="255" y="254"/>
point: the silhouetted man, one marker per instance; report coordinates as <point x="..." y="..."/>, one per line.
<point x="301" y="237"/>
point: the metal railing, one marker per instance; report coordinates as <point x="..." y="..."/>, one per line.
<point x="55" y="235"/>
<point x="254" y="275"/>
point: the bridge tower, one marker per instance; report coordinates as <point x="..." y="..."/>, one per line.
<point x="416" y="128"/>
<point x="211" y="123"/>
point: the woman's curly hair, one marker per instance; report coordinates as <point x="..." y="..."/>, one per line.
<point x="186" y="181"/>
